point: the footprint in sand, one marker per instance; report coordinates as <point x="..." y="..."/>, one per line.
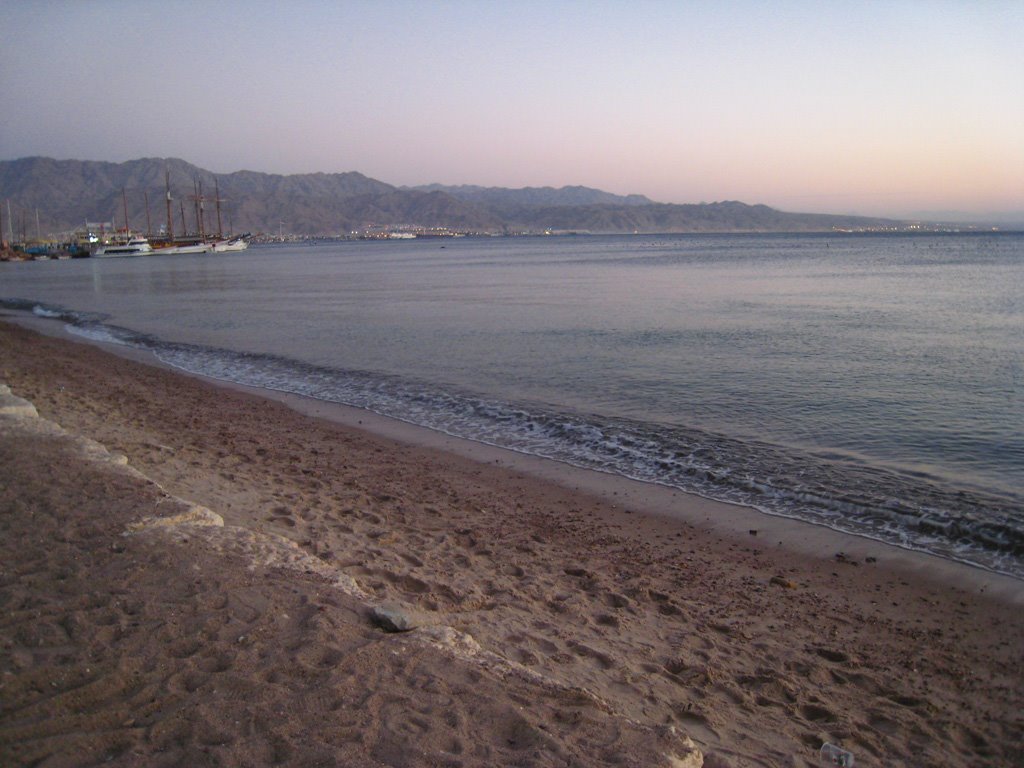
<point x="906" y="701"/>
<point x="696" y="722"/>
<point x="216" y="663"/>
<point x="183" y="649"/>
<point x="584" y="651"/>
<point x="408" y="583"/>
<point x="615" y="600"/>
<point x="545" y="645"/>
<point x="837" y="657"/>
<point x="817" y="713"/>
<point x="882" y="724"/>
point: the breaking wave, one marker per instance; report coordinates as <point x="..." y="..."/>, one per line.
<point x="846" y="493"/>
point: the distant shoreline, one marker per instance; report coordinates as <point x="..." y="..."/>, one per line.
<point x="340" y="204"/>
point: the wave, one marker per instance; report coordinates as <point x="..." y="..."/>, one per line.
<point x="910" y="510"/>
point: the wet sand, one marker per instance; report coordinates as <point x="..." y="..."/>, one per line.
<point x="209" y="599"/>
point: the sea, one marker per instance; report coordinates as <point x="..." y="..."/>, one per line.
<point x="871" y="383"/>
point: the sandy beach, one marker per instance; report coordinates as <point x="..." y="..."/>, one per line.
<point x="192" y="574"/>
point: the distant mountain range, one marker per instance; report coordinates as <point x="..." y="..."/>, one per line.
<point x="65" y="194"/>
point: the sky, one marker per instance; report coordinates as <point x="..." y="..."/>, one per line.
<point x="904" y="109"/>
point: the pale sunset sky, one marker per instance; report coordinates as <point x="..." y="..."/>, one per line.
<point x="879" y="108"/>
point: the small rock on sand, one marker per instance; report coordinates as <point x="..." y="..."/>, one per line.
<point x="394" y="618"/>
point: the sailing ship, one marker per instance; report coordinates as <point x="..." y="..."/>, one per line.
<point x="200" y="241"/>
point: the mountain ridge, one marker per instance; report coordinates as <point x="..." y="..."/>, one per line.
<point x="67" y="194"/>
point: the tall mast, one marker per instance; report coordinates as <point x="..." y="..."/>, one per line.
<point x="216" y="192"/>
<point x="124" y="200"/>
<point x="197" y="186"/>
<point x="149" y="225"/>
<point x="170" y="219"/>
<point x="202" y="217"/>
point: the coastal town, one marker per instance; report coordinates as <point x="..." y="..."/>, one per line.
<point x="106" y="239"/>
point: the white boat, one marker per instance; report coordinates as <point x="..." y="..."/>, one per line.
<point x="136" y="246"/>
<point x="236" y="244"/>
<point x="129" y="245"/>
<point x="174" y="250"/>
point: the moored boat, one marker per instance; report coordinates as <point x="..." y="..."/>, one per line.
<point x="129" y="244"/>
<point x="234" y="244"/>
<point x="136" y="246"/>
<point x="172" y="250"/>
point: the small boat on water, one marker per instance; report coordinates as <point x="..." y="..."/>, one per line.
<point x="173" y="250"/>
<point x="234" y="244"/>
<point x="128" y="244"/>
<point x="135" y="246"/>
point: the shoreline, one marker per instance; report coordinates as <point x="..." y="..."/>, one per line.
<point x="624" y="610"/>
<point x="719" y="517"/>
<point x="722" y="518"/>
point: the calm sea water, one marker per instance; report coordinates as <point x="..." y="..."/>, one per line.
<point x="871" y="383"/>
